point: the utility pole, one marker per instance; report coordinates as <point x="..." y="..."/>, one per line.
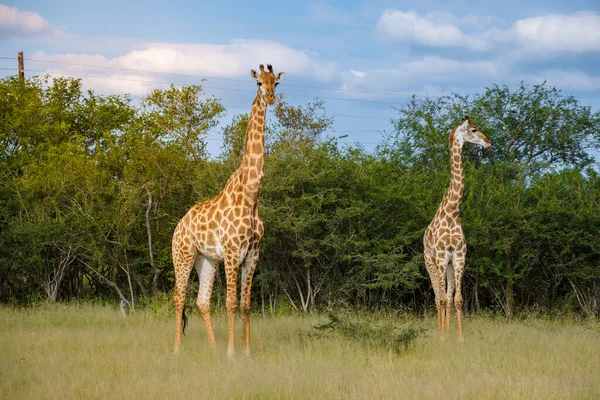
<point x="21" y="67"/>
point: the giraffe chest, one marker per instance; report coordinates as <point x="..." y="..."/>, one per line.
<point x="233" y="232"/>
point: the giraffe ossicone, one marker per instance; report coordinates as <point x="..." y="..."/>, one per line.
<point x="226" y="228"/>
<point x="445" y="248"/>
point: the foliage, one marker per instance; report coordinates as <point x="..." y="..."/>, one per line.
<point x="91" y="188"/>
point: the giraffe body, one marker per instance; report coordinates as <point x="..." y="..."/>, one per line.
<point x="445" y="247"/>
<point x="226" y="228"/>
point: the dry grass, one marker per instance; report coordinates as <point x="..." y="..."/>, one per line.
<point x="90" y="352"/>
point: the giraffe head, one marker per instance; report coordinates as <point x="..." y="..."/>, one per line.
<point x="465" y="132"/>
<point x="266" y="82"/>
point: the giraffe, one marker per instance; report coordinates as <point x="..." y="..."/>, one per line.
<point x="226" y="228"/>
<point x="444" y="241"/>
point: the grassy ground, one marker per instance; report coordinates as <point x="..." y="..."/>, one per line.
<point x="90" y="352"/>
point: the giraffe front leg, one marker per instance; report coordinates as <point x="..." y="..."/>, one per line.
<point x="206" y="269"/>
<point x="450" y="279"/>
<point x="232" y="262"/>
<point x="459" y="269"/>
<point x="247" y="272"/>
<point x="442" y="313"/>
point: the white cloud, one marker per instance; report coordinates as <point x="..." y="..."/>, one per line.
<point x="536" y="36"/>
<point x="358" y="74"/>
<point x="436" y="29"/>
<point x="433" y="72"/>
<point x="435" y="76"/>
<point x="15" y="23"/>
<point x="233" y="60"/>
<point x="579" y="32"/>
<point x="567" y="80"/>
<point x="409" y="27"/>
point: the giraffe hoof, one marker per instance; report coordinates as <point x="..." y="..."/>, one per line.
<point x="231" y="354"/>
<point x="461" y="339"/>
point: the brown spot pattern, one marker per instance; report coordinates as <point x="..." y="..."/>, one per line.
<point x="228" y="228"/>
<point x="444" y="242"/>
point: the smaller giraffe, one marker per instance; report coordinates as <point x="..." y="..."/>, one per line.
<point x="444" y="242"/>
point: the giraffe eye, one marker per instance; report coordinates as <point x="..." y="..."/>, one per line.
<point x="259" y="83"/>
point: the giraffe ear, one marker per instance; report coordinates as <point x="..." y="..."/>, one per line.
<point x="280" y="76"/>
<point x="254" y="74"/>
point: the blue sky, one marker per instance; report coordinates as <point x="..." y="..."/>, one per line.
<point x="347" y="52"/>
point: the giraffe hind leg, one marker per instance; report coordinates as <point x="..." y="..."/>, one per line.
<point x="441" y="264"/>
<point x="449" y="294"/>
<point x="182" y="262"/>
<point x="433" y="276"/>
<point x="459" y="269"/>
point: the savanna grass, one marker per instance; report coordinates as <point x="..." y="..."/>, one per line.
<point x="91" y="352"/>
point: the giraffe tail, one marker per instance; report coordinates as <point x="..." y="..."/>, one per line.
<point x="184" y="320"/>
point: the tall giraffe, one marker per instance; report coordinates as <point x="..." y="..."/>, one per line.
<point x="226" y="227"/>
<point x="444" y="240"/>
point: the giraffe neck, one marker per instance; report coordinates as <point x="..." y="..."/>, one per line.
<point x="251" y="170"/>
<point x="254" y="151"/>
<point x="455" y="190"/>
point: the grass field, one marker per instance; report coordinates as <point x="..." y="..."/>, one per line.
<point x="91" y="352"/>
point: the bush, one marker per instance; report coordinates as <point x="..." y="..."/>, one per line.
<point x="388" y="334"/>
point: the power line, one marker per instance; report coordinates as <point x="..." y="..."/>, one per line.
<point x="210" y="87"/>
<point x="230" y="106"/>
<point x="204" y="86"/>
<point x="240" y="107"/>
<point x="359" y="116"/>
<point x="333" y="137"/>
<point x="215" y="78"/>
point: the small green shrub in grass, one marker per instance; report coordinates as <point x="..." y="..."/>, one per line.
<point x="387" y="334"/>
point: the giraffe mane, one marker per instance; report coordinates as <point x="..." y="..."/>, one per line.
<point x="452" y="136"/>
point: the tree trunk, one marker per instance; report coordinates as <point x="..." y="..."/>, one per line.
<point x="262" y="299"/>
<point x="310" y="295"/>
<point x="51" y="283"/>
<point x="104" y="280"/>
<point x="304" y="300"/>
<point x="476" y="305"/>
<point x="150" y="252"/>
<point x="510" y="295"/>
<point x="128" y="272"/>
